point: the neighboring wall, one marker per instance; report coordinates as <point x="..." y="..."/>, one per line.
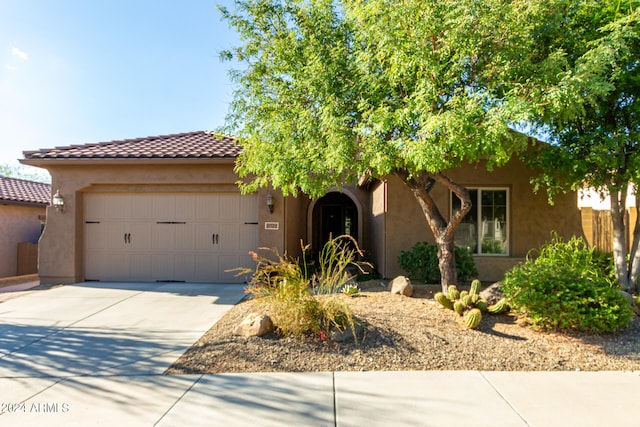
<point x="532" y="219"/>
<point x="18" y="224"/>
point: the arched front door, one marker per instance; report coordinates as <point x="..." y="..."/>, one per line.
<point x="333" y="215"/>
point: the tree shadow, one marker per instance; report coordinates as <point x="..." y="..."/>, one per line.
<point x="45" y="351"/>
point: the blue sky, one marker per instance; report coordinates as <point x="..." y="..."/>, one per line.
<point x="85" y="71"/>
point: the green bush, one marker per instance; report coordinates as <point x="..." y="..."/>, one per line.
<point x="568" y="286"/>
<point x="421" y="263"/>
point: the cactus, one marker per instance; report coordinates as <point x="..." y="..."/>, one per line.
<point x="499" y="307"/>
<point x="463" y="294"/>
<point x="473" y="318"/>
<point x="475" y="287"/>
<point x="482" y="305"/>
<point x="443" y="300"/>
<point x="453" y="293"/>
<point x="458" y="307"/>
<point x="475" y="298"/>
<point x="467" y="300"/>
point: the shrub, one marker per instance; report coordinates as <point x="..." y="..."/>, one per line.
<point x="421" y="263"/>
<point x="567" y="287"/>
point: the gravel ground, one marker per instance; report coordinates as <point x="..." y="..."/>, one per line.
<point x="410" y="333"/>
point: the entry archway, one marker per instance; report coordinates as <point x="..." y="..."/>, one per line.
<point x="334" y="214"/>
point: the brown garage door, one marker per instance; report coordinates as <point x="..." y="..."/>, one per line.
<point x="190" y="237"/>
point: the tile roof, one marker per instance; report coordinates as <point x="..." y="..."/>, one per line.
<point x="192" y="145"/>
<point x="24" y="192"/>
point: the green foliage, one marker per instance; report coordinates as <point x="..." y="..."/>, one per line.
<point x="329" y="91"/>
<point x="351" y="289"/>
<point x="332" y="89"/>
<point x="581" y="75"/>
<point x="421" y="263"/>
<point x="565" y="288"/>
<point x="286" y="290"/>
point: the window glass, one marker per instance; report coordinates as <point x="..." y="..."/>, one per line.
<point x="467" y="231"/>
<point x="484" y="230"/>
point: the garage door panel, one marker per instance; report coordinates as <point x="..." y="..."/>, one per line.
<point x="141" y="207"/>
<point x="230" y="237"/>
<point x="179" y="237"/>
<point x="248" y="237"/>
<point x="138" y="236"/>
<point x="207" y="208"/>
<point x="248" y="209"/>
<point x="205" y="237"/>
<point x="140" y="269"/>
<point x="185" y="205"/>
<point x="229" y="208"/>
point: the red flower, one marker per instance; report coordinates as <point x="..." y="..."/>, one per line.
<point x="322" y="335"/>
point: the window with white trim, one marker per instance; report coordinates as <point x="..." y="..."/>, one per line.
<point x="485" y="229"/>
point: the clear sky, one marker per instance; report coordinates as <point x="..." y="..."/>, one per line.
<point x="86" y="71"/>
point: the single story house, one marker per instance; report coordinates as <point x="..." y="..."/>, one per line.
<point x="167" y="208"/>
<point x="22" y="212"/>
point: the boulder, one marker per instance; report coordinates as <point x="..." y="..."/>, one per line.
<point x="255" y="325"/>
<point x="401" y="285"/>
<point x="492" y="293"/>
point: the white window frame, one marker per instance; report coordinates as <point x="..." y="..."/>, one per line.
<point x="478" y="208"/>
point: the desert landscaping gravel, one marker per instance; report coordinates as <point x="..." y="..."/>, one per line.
<point x="410" y="333"/>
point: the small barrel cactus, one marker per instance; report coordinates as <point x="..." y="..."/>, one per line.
<point x="482" y="305"/>
<point x="443" y="300"/>
<point x="473" y="318"/>
<point x="453" y="293"/>
<point x="458" y="307"/>
<point x="467" y="300"/>
<point x="499" y="307"/>
<point x="475" y="287"/>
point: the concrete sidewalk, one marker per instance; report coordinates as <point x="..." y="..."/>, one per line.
<point x="434" y="398"/>
<point x="94" y="353"/>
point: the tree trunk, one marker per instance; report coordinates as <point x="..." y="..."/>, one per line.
<point x="443" y="230"/>
<point x="619" y="235"/>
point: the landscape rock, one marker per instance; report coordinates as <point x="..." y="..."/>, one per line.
<point x="493" y="293"/>
<point x="255" y="325"/>
<point x="631" y="301"/>
<point x="401" y="285"/>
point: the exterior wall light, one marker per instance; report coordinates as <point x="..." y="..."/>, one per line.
<point x="270" y="203"/>
<point x="58" y="201"/>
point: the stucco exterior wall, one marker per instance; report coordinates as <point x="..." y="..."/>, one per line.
<point x="61" y="245"/>
<point x="17" y="224"/>
<point x="531" y="218"/>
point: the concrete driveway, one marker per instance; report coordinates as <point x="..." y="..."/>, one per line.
<point x="97" y="328"/>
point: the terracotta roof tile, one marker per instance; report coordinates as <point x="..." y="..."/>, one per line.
<point x="192" y="145"/>
<point x="23" y="191"/>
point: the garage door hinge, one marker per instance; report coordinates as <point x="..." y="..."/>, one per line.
<point x="92" y="222"/>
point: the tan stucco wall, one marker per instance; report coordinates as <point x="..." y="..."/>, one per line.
<point x="531" y="218"/>
<point x="61" y="245"/>
<point x="17" y="224"/>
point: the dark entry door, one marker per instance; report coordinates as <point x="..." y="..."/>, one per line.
<point x="337" y="216"/>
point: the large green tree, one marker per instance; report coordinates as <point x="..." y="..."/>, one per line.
<point x="329" y="91"/>
<point x="584" y="75"/>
